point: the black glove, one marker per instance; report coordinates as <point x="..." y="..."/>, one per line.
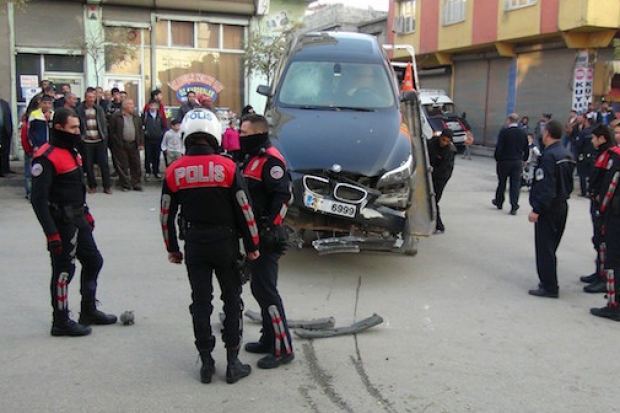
<point x="54" y="244"/>
<point x="242" y="269"/>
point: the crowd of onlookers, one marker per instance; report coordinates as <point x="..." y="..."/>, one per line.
<point x="110" y="124"/>
<point x="577" y="138"/>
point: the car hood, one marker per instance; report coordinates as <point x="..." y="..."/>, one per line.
<point x="362" y="143"/>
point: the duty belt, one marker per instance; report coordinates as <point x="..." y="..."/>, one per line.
<point x="205" y="225"/>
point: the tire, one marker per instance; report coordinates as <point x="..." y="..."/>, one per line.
<point x="410" y="243"/>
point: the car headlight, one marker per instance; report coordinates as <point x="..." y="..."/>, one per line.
<point x="437" y="133"/>
<point x="398" y="175"/>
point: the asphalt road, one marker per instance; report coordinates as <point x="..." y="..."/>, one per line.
<point x="460" y="334"/>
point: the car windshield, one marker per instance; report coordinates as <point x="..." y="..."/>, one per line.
<point x="439" y="110"/>
<point x="311" y="84"/>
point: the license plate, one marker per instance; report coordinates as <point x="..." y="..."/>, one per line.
<point x="328" y="206"/>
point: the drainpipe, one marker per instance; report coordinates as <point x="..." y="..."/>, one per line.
<point x="153" y="54"/>
<point x="12" y="57"/>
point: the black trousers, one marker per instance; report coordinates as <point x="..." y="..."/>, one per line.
<point x="548" y="234"/>
<point x="264" y="285"/>
<point x="612" y="256"/>
<point x="152" y="153"/>
<point x="5" y="152"/>
<point x="584" y="168"/>
<point x="597" y="239"/>
<point x="508" y="170"/>
<point x="77" y="242"/>
<point x="208" y="250"/>
<point x="96" y="153"/>
<point x="439" y="187"/>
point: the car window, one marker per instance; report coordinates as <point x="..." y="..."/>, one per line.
<point x="438" y="110"/>
<point x="335" y="84"/>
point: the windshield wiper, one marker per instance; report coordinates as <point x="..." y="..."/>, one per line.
<point x="354" y="108"/>
<point x="336" y="108"/>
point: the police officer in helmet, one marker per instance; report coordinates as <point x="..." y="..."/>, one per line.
<point x="215" y="212"/>
<point x="59" y="202"/>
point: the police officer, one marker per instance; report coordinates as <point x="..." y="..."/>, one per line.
<point x="58" y="199"/>
<point x="552" y="186"/>
<point x="264" y="170"/>
<point x="602" y="140"/>
<point x="441" y="153"/>
<point x="214" y="211"/>
<point x="608" y="201"/>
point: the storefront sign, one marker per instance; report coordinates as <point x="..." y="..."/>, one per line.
<point x="582" y="83"/>
<point x="29" y="81"/>
<point x="199" y="83"/>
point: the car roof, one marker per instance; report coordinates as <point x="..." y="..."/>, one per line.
<point x="345" y="46"/>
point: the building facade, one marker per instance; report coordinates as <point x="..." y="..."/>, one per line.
<point x="500" y="56"/>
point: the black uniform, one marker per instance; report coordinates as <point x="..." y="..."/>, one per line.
<point x="585" y="154"/>
<point x="511" y="151"/>
<point x="607" y="200"/>
<point x="270" y="191"/>
<point x="552" y="186"/>
<point x="58" y="199"/>
<point x="215" y="210"/>
<point x="442" y="161"/>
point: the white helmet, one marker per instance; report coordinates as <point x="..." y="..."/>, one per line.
<point x="201" y="120"/>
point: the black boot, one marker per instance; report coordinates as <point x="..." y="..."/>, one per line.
<point x="598" y="286"/>
<point x="62" y="325"/>
<point x="90" y="315"/>
<point x="589" y="279"/>
<point x="258" y="347"/>
<point x="235" y="369"/>
<point x="613" y="313"/>
<point x="208" y="367"/>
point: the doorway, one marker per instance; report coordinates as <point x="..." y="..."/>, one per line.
<point x="130" y="84"/>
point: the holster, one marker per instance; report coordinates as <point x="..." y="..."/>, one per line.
<point x="272" y="239"/>
<point x="66" y="213"/>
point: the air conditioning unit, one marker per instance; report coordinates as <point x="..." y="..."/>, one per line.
<point x="398" y="25"/>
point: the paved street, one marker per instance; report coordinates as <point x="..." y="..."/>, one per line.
<point x="461" y="334"/>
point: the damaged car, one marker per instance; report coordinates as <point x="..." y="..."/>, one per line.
<point x="352" y="144"/>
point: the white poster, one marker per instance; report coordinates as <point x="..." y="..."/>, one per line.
<point x="28" y="81"/>
<point x="582" y="83"/>
<point x="29" y="92"/>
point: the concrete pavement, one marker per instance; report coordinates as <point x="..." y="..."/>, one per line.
<point x="460" y="332"/>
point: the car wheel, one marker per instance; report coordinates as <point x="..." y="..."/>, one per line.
<point x="410" y="242"/>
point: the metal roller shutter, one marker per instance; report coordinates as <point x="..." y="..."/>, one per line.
<point x="545" y="84"/>
<point x="470" y="85"/>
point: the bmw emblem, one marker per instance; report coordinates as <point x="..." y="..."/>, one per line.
<point x="336" y="168"/>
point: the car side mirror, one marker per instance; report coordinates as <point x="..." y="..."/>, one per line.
<point x="464" y="115"/>
<point x="409" y="96"/>
<point x="264" y="90"/>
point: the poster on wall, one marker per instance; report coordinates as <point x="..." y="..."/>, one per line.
<point x="199" y="83"/>
<point x="583" y="80"/>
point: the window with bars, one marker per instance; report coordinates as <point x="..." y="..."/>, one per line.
<point x="517" y="4"/>
<point x="454" y="11"/>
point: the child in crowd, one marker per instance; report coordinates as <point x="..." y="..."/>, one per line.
<point x="532" y="161"/>
<point x="172" y="144"/>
